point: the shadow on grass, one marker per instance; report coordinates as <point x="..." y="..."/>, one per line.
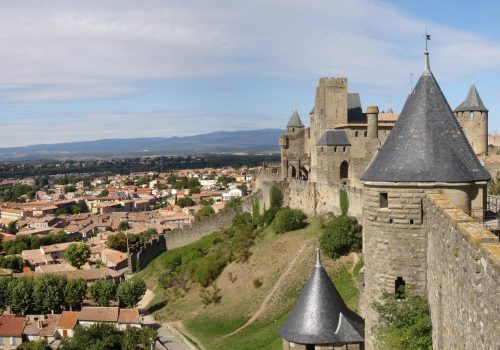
<point x="157" y="306"/>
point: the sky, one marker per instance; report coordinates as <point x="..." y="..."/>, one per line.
<point x="93" y="69"/>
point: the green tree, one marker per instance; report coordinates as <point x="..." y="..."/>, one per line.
<point x="123" y="226"/>
<point x="34" y="345"/>
<point x="11" y="227"/>
<point x="69" y="188"/>
<point x="76" y="209"/>
<point x="74" y="293"/>
<point x="130" y="292"/>
<point x="4" y="293"/>
<point x="340" y="236"/>
<point x="403" y="323"/>
<point x="117" y="241"/>
<point x="99" y="336"/>
<point x="206" y="210"/>
<point x="21" y="292"/>
<point x="77" y="254"/>
<point x="104" y="193"/>
<point x="13" y="262"/>
<point x="343" y="201"/>
<point x="288" y="220"/>
<point x="224" y="180"/>
<point x="102" y="292"/>
<point x="257" y="219"/>
<point x="276" y="197"/>
<point x="185" y="202"/>
<point x="48" y="293"/>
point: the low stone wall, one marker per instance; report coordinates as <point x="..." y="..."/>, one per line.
<point x="142" y="253"/>
<point x="463" y="279"/>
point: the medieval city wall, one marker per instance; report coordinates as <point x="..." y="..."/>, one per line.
<point x="463" y="279"/>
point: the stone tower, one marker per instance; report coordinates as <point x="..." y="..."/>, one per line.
<point x="320" y="319"/>
<point x="292" y="146"/>
<point x="473" y="118"/>
<point x="426" y="151"/>
<point x="330" y="111"/>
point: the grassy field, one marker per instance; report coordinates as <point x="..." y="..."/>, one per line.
<point x="271" y="255"/>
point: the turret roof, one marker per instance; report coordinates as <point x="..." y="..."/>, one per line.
<point x="334" y="138"/>
<point x="472" y="102"/>
<point x="320" y="316"/>
<point x="426" y="144"/>
<point x="295" y="121"/>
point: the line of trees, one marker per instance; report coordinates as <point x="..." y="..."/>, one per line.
<point x="52" y="293"/>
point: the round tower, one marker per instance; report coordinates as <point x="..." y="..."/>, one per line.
<point x="425" y="152"/>
<point x="472" y="116"/>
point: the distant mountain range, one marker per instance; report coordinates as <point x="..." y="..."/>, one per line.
<point x="251" y="141"/>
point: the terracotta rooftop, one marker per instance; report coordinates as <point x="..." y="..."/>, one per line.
<point x="42" y="327"/>
<point x="11" y="325"/>
<point x="68" y="319"/>
<point x="98" y="314"/>
<point x="129" y="316"/>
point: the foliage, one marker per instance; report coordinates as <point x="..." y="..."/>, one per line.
<point x="104" y="193"/>
<point x="257" y="218"/>
<point x="105" y="336"/>
<point x="233" y="203"/>
<point x="288" y="220"/>
<point x="69" y="188"/>
<point x="76" y="209"/>
<point x="74" y="293"/>
<point x="206" y="210"/>
<point x="102" y="292"/>
<point x="12" y="194"/>
<point x="257" y="282"/>
<point x="276" y="197"/>
<point x="11" y="227"/>
<point x="269" y="215"/>
<point x="40" y="344"/>
<point x="123" y="226"/>
<point x="48" y="293"/>
<point x="209" y="296"/>
<point x="13" y="262"/>
<point x="4" y="293"/>
<point x="117" y="241"/>
<point x="130" y="292"/>
<point x="224" y="180"/>
<point x="340" y="236"/>
<point x="185" y="202"/>
<point x="77" y="254"/>
<point x="21" y="291"/>
<point x="343" y="201"/>
<point x="403" y="323"/>
<point x="21" y="243"/>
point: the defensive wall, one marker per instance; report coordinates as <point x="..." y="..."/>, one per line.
<point x="463" y="279"/>
<point x="142" y="253"/>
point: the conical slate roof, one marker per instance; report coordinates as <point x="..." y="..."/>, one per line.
<point x="426" y="144"/>
<point x="295" y="121"/>
<point x="320" y="316"/>
<point x="472" y="102"/>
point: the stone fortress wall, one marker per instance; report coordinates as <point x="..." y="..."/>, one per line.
<point x="142" y="254"/>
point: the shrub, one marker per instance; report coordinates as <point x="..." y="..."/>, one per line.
<point x="257" y="283"/>
<point x="269" y="215"/>
<point x="210" y="296"/>
<point x="206" y="210"/>
<point x="207" y="269"/>
<point x="403" y="323"/>
<point x="276" y="197"/>
<point x="242" y="220"/>
<point x="288" y="220"/>
<point x="343" y="201"/>
<point x="341" y="235"/>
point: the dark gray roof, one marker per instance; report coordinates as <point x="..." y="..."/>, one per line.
<point x="320" y="316"/>
<point x="472" y="102"/>
<point x="334" y="138"/>
<point x="354" y="109"/>
<point x="426" y="143"/>
<point x="295" y="121"/>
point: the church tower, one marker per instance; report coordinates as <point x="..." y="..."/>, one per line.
<point x="426" y="151"/>
<point x="473" y="118"/>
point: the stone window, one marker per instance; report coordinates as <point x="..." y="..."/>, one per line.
<point x="356" y="134"/>
<point x="310" y="346"/>
<point x="335" y="149"/>
<point x="383" y="200"/>
<point x="399" y="288"/>
<point x="343" y="149"/>
<point x="366" y="133"/>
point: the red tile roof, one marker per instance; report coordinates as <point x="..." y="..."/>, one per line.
<point x="98" y="314"/>
<point x="129" y="316"/>
<point x="68" y="319"/>
<point x="12" y="325"/>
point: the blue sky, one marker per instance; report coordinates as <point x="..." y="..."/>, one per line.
<point x="83" y="70"/>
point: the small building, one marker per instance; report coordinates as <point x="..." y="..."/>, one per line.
<point x="67" y="322"/>
<point x="40" y="327"/>
<point x="122" y="318"/>
<point x="11" y="331"/>
<point x="320" y="318"/>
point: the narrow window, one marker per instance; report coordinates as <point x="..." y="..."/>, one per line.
<point x="411" y="222"/>
<point x="310" y="347"/>
<point x="383" y="200"/>
<point x="343" y="149"/>
<point x="366" y="133"/>
<point x="399" y="288"/>
<point x="356" y="134"/>
<point x="335" y="149"/>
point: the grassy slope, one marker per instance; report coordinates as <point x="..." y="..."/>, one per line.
<point x="240" y="298"/>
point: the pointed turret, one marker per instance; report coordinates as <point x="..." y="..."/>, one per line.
<point x="295" y="121"/>
<point x="472" y="102"/>
<point x="427" y="143"/>
<point x="320" y="316"/>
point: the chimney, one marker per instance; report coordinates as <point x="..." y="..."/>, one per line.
<point x="40" y="324"/>
<point x="372" y="119"/>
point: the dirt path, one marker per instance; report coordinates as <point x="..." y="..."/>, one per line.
<point x="263" y="306"/>
<point x="354" y="261"/>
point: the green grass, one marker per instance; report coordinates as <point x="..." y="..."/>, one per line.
<point x="346" y="286"/>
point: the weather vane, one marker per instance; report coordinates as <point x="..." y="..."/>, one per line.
<point x="427" y="37"/>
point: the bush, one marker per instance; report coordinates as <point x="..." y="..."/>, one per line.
<point x="288" y="220"/>
<point x="257" y="283"/>
<point x="210" y="296"/>
<point x="269" y="215"/>
<point x="341" y="235"/>
<point x="344" y="202"/>
<point x="276" y="197"/>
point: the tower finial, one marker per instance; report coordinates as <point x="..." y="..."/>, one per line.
<point x="318" y="258"/>
<point x="427" y="65"/>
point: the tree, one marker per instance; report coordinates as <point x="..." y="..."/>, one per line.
<point x="123" y="226"/>
<point x="288" y="220"/>
<point x="99" y="336"/>
<point x="76" y="209"/>
<point x="340" y="236"/>
<point x="77" y="254"/>
<point x="103" y="193"/>
<point x="69" y="188"/>
<point x="117" y="241"/>
<point x="34" y="345"/>
<point x="224" y="180"/>
<point x="130" y="292"/>
<point x="4" y="293"/>
<point x="206" y="210"/>
<point x="403" y="323"/>
<point x="48" y="293"/>
<point x="102" y="292"/>
<point x="276" y="197"/>
<point x="74" y="293"/>
<point x="13" y="262"/>
<point x="21" y="291"/>
<point x="11" y="227"/>
<point x="185" y="202"/>
<point x="343" y="201"/>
